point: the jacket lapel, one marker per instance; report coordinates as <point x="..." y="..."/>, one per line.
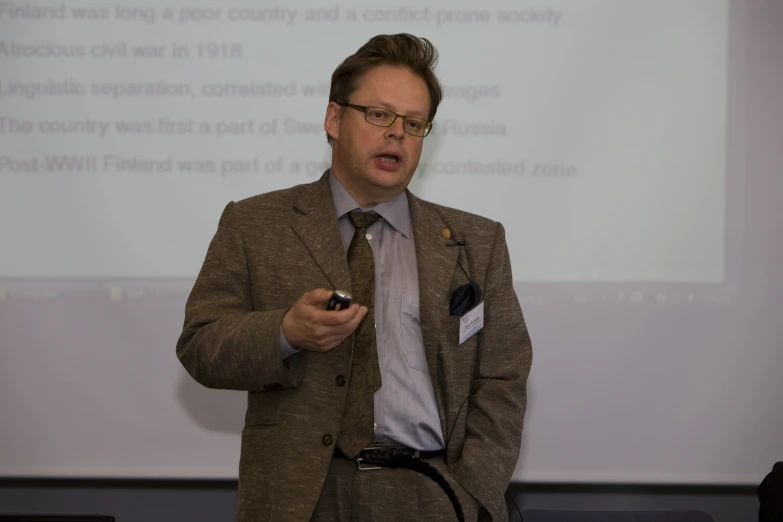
<point x="436" y="258"/>
<point x="317" y="228"/>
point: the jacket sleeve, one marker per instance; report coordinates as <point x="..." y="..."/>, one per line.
<point x="224" y="342"/>
<point x="497" y="406"/>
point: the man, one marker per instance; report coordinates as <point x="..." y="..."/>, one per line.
<point x="436" y="418"/>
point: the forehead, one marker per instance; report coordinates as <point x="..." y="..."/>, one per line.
<point x="396" y="88"/>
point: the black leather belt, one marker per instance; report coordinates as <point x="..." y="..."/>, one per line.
<point x="386" y="451"/>
<point x="395" y="456"/>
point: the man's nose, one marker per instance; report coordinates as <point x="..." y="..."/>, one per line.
<point x="396" y="129"/>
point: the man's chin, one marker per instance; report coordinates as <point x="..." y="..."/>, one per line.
<point x="389" y="180"/>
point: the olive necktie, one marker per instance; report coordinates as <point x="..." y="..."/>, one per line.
<point x="357" y="430"/>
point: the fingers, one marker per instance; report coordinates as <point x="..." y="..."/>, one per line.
<point x="331" y="335"/>
<point x="339" y="317"/>
<point x="310" y="326"/>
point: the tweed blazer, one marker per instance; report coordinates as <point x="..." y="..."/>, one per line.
<point x="272" y="248"/>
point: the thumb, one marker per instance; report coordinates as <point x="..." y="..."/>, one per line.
<point x="318" y="296"/>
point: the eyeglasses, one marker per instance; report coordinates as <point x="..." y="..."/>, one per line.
<point x="381" y="117"/>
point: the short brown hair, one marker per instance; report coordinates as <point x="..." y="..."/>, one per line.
<point x="401" y="50"/>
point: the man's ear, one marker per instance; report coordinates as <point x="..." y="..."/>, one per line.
<point x="332" y="121"/>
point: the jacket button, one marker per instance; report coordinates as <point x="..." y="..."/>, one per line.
<point x="340" y="380"/>
<point x="277" y="386"/>
<point x="327" y="440"/>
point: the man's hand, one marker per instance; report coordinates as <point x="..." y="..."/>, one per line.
<point x="309" y="326"/>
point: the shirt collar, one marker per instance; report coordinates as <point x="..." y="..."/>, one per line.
<point x="395" y="211"/>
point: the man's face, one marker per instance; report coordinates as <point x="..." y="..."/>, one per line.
<point x="376" y="163"/>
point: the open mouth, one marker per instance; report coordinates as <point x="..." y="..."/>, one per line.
<point x="388" y="158"/>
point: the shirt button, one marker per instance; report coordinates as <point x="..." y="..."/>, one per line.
<point x="340" y="380"/>
<point x="368" y="236"/>
<point x="374" y="425"/>
<point x="327" y="440"/>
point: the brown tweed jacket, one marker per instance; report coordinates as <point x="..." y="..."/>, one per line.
<point x="269" y="250"/>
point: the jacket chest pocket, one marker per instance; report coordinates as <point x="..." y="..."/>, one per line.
<point x="410" y="333"/>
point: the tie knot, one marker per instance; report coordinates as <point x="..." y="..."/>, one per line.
<point x="363" y="219"/>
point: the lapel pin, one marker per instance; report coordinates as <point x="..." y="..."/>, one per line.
<point x="446" y="233"/>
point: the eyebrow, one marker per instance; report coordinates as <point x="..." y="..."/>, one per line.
<point x="415" y="114"/>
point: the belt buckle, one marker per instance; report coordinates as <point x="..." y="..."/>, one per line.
<point x="364" y="466"/>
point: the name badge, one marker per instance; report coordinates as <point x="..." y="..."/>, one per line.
<point x="471" y="322"/>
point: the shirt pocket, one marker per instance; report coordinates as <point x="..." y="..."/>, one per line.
<point x="410" y="333"/>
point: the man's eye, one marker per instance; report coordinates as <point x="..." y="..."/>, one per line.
<point x="414" y="124"/>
